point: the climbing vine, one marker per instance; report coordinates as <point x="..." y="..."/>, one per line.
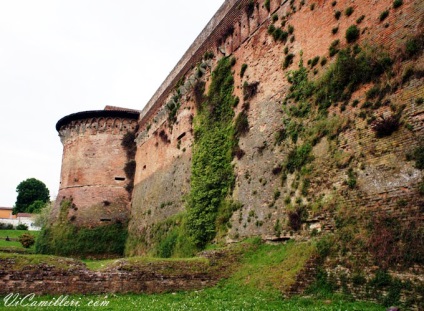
<point x="212" y="176"/>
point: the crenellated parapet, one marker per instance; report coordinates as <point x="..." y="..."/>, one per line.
<point x="98" y="121"/>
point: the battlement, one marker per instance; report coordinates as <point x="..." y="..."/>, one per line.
<point x="97" y="121"/>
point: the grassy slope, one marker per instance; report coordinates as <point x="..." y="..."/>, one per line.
<point x="254" y="285"/>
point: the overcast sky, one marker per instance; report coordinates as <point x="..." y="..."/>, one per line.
<point x="59" y="57"/>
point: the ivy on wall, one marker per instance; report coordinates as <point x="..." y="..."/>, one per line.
<point x="212" y="173"/>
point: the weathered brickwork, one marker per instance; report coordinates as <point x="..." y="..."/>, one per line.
<point x="385" y="179"/>
<point x="387" y="175"/>
<point x="93" y="166"/>
<point x="153" y="277"/>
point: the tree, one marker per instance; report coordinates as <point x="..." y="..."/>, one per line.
<point x="29" y="191"/>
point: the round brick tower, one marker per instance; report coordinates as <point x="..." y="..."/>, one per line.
<point x="95" y="172"/>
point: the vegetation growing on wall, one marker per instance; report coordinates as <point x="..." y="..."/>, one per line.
<point x="172" y="106"/>
<point x="169" y="238"/>
<point x="352" y="68"/>
<point x="65" y="239"/>
<point x="130" y="147"/>
<point x="306" y="118"/>
<point x="212" y="173"/>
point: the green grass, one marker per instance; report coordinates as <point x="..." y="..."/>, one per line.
<point x="14" y="234"/>
<point x="98" y="264"/>
<point x="256" y="284"/>
<point x="21" y="261"/>
<point x="133" y="262"/>
<point x="220" y="297"/>
<point x="271" y="267"/>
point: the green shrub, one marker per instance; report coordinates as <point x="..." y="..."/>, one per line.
<point x="173" y="106"/>
<point x="300" y="110"/>
<point x="298" y="157"/>
<point x="305" y="186"/>
<point x="414" y="46"/>
<point x="381" y="279"/>
<point x="418" y="156"/>
<point x="225" y="211"/>
<point x="165" y="248"/>
<point x="335" y="30"/>
<point x="301" y="88"/>
<point x="233" y="61"/>
<point x="349" y="11"/>
<point x="22" y="227"/>
<point x="351" y="179"/>
<point x="281" y="35"/>
<point x="360" y="19"/>
<point x="274" y="17"/>
<point x="243" y="70"/>
<point x="288" y="60"/>
<point x="348" y="72"/>
<point x="250" y="8"/>
<point x="241" y="126"/>
<point x="337" y="14"/>
<point x="280" y="136"/>
<point x="373" y="92"/>
<point x="397" y="3"/>
<point x="4" y="226"/>
<point x="352" y="34"/>
<point x="267" y="5"/>
<point x="334" y="48"/>
<point x="27" y="240"/>
<point x="312" y="6"/>
<point x="324" y="246"/>
<point x="277" y="33"/>
<point x="293" y="130"/>
<point x="314" y="61"/>
<point x="333" y="3"/>
<point x="277" y="228"/>
<point x="383" y="15"/>
<point x="291" y="29"/>
<point x="208" y="55"/>
<point x="323" y="285"/>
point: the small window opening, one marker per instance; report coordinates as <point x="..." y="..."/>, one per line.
<point x="120" y="178"/>
<point x="105" y="219"/>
